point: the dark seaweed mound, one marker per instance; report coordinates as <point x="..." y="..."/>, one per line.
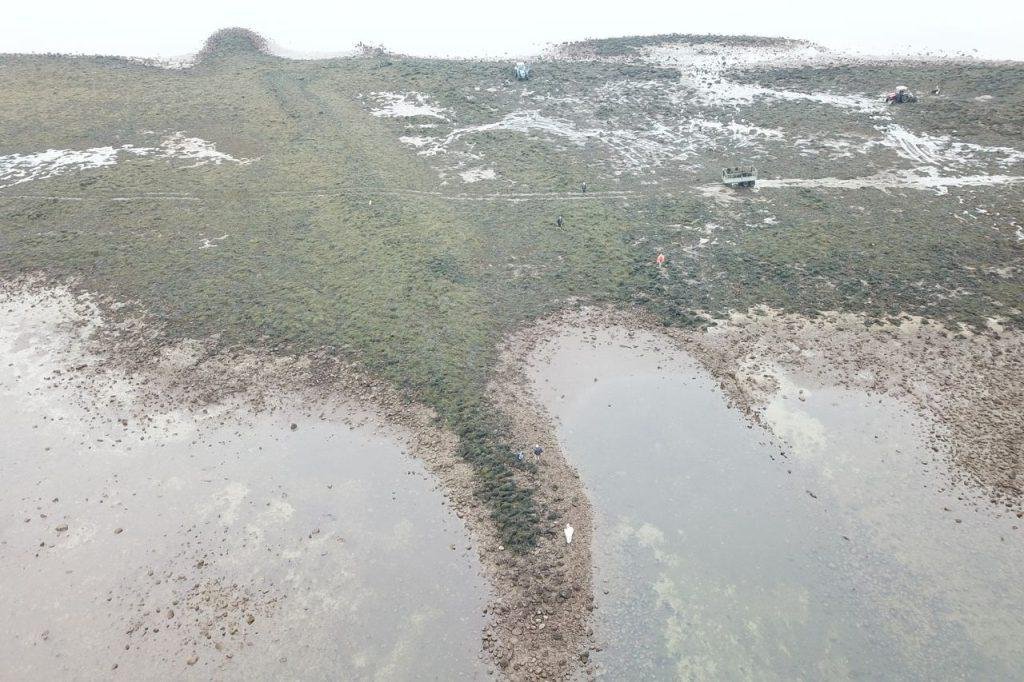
<point x="232" y="41"/>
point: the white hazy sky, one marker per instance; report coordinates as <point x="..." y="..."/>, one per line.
<point x="478" y="27"/>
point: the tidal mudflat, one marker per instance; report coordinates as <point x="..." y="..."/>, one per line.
<point x="161" y="543"/>
<point x="829" y="544"/>
<point x="285" y="235"/>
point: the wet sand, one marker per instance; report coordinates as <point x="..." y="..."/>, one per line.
<point x="155" y="542"/>
<point x="827" y="541"/>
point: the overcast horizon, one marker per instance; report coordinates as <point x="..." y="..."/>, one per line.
<point x="459" y="29"/>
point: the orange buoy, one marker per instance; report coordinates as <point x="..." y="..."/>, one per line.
<point x="661" y="259"/>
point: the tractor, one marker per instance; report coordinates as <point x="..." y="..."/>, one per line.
<point x="901" y="95"/>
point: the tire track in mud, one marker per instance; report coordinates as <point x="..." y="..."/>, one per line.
<point x="910" y="145"/>
<point x="346" y="191"/>
<point x="940" y="184"/>
<point x="882" y="181"/>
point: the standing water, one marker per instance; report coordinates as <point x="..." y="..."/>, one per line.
<point x="300" y="542"/>
<point x="722" y="552"/>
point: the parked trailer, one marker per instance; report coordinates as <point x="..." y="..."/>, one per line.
<point x="739" y="176"/>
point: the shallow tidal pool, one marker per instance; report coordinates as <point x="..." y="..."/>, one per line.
<point x="300" y="542"/>
<point x="834" y="550"/>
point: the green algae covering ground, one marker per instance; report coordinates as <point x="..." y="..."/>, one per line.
<point x="400" y="212"/>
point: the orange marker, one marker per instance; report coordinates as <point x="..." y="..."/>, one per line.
<point x="661" y="259"/>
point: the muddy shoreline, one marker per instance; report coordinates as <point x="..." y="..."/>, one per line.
<point x="968" y="384"/>
<point x="184" y="537"/>
<point x="537" y="621"/>
<point x="540" y="620"/>
<point x="939" y="374"/>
